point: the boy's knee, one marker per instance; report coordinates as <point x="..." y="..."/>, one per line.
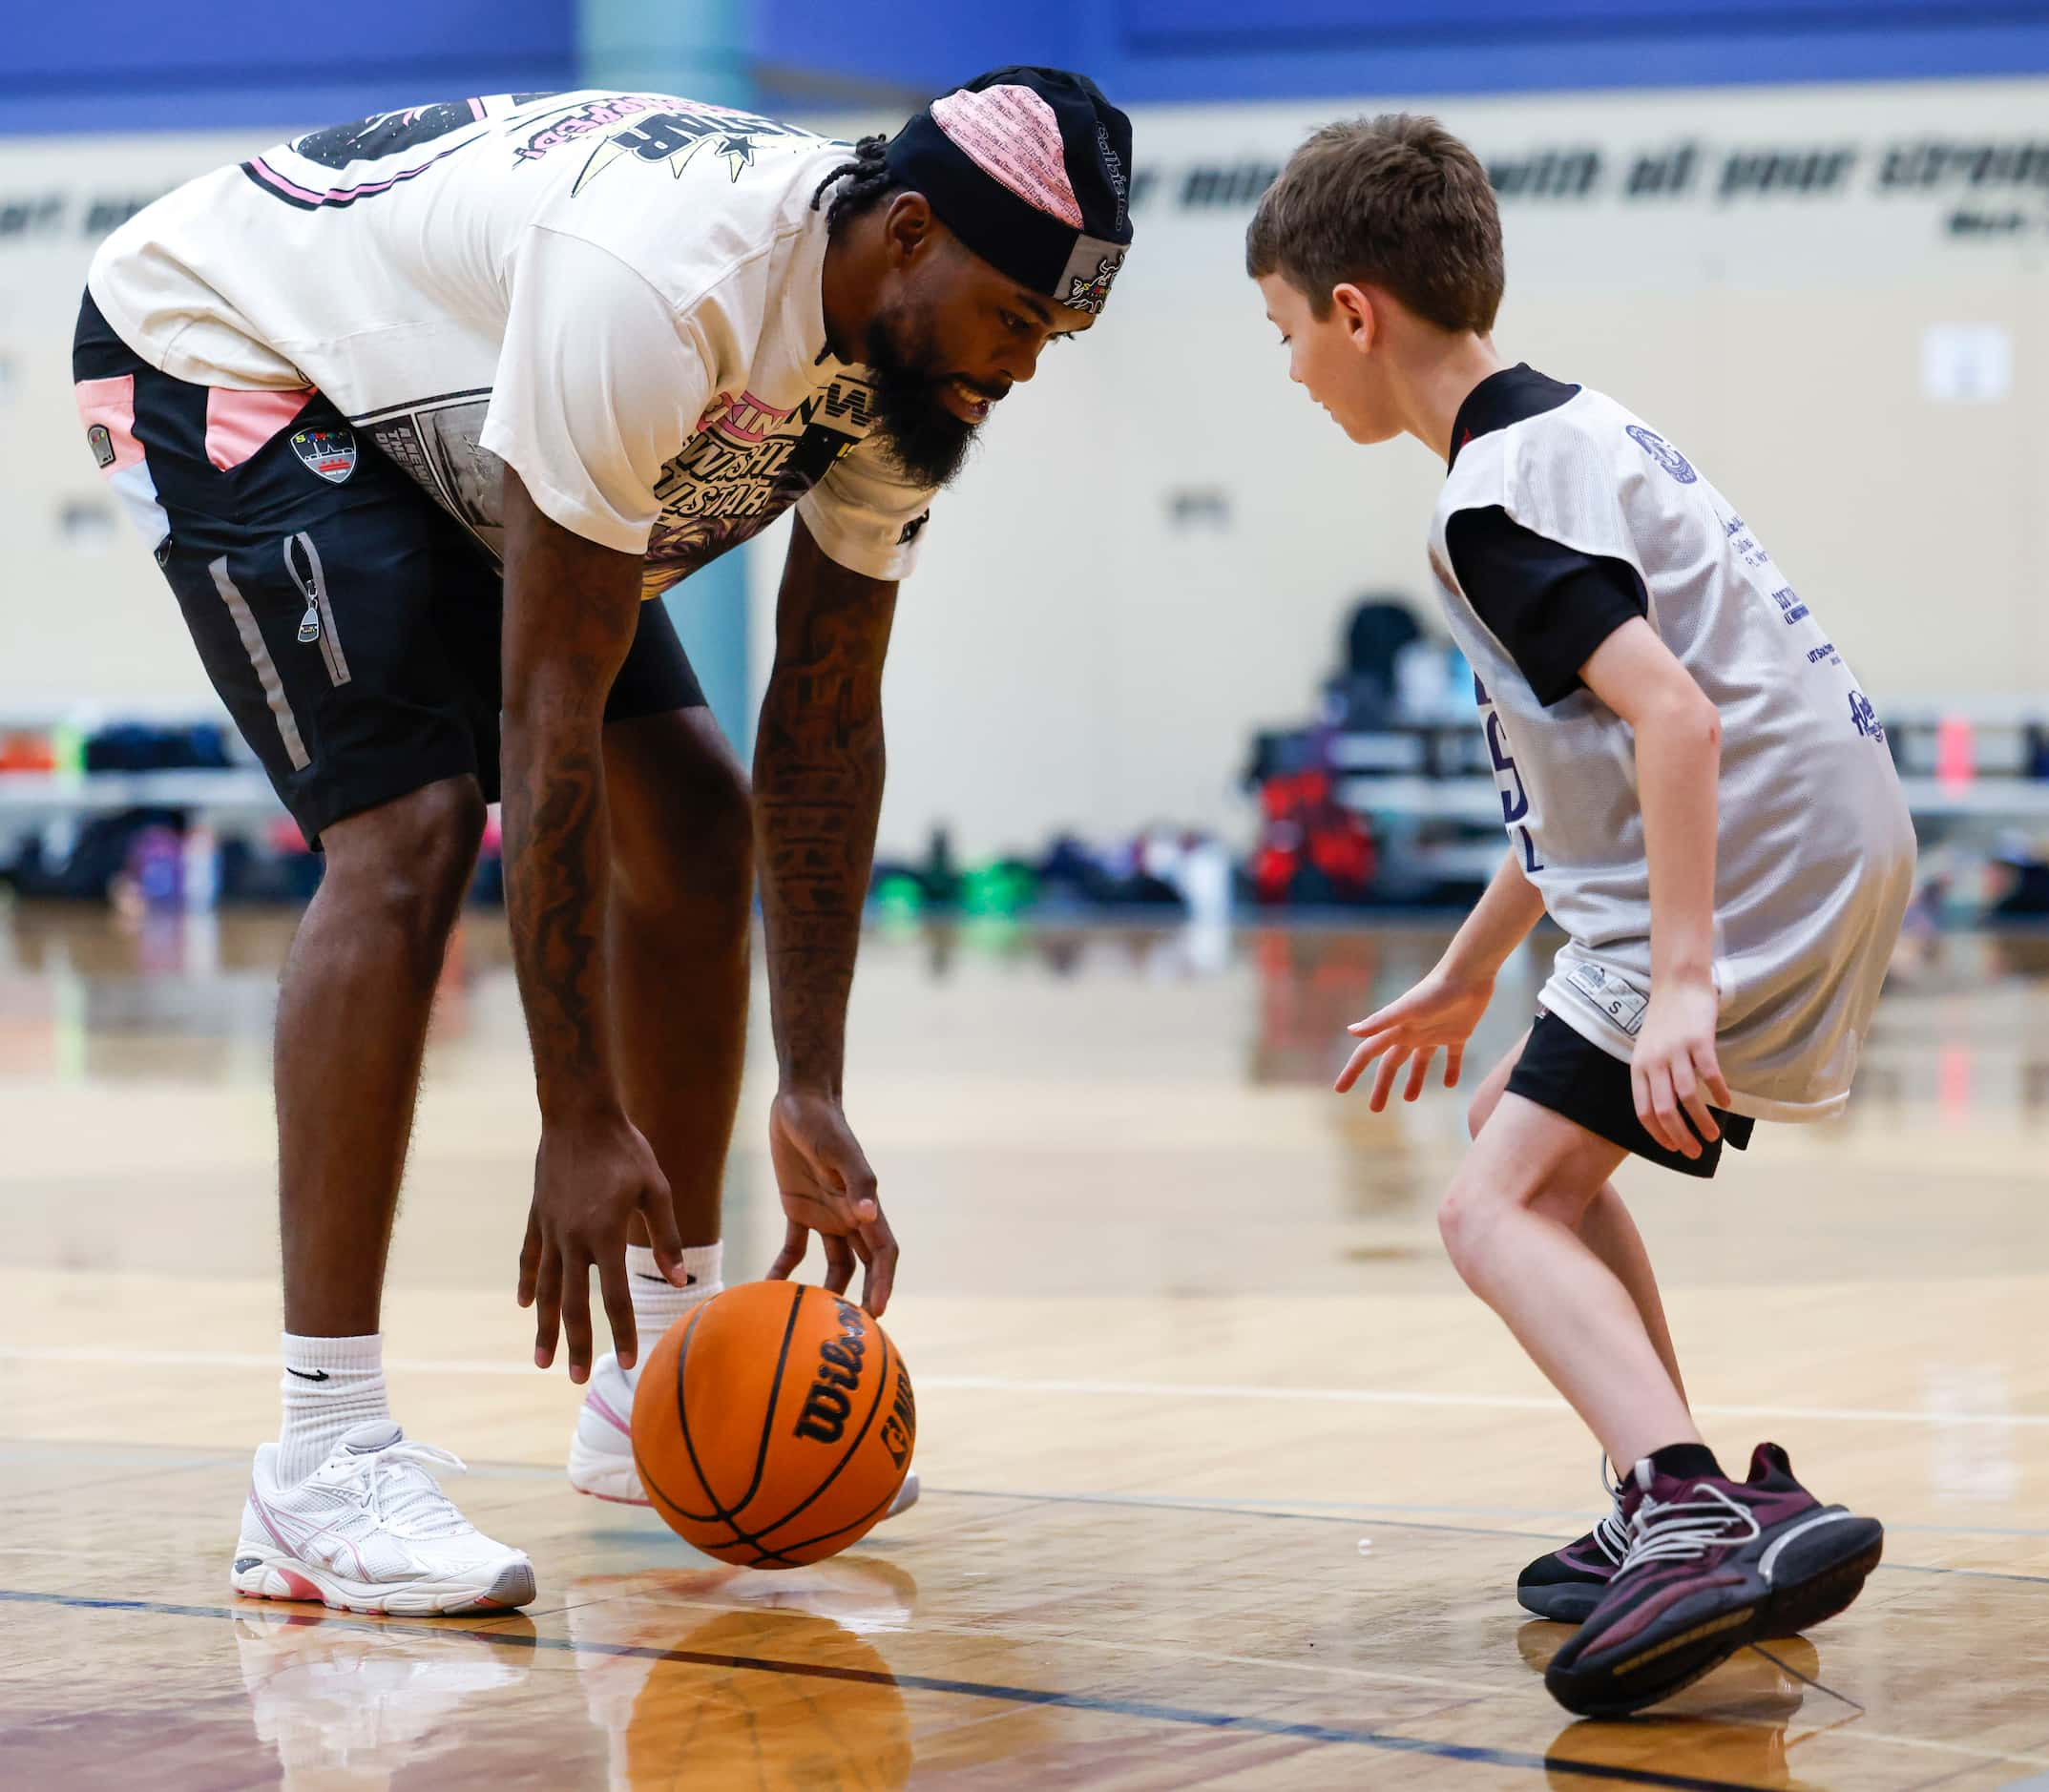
<point x="1464" y="1217"/>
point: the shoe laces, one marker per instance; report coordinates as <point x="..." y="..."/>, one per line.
<point x="1680" y="1530"/>
<point x="396" y="1486"/>
<point x="1612" y="1533"/>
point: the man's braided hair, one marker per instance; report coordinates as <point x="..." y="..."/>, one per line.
<point x="867" y="183"/>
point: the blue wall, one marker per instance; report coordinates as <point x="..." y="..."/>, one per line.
<point x="120" y="64"/>
<point x="1166" y="50"/>
<point x="123" y="65"/>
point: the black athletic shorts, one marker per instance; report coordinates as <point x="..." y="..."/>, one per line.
<point x="1570" y="1074"/>
<point x="348" y="623"/>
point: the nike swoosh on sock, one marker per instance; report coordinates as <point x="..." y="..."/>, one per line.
<point x="307" y="1375"/>
<point x="689" y="1282"/>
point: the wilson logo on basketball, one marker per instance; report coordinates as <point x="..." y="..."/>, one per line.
<point x="901" y="1425"/>
<point x="828" y="1404"/>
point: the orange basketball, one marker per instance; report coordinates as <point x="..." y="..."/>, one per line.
<point x="774" y="1426"/>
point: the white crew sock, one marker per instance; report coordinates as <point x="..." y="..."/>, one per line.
<point x="658" y="1303"/>
<point x="328" y="1385"/>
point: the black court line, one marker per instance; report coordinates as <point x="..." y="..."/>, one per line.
<point x="1230" y="1722"/>
<point x="1140" y="1503"/>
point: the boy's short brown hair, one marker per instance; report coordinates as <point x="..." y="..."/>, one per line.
<point x="1397" y="201"/>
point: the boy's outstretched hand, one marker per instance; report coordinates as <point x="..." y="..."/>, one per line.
<point x="1440" y="1011"/>
<point x="1674" y="1066"/>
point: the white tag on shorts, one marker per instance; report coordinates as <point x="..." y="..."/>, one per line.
<point x="1624" y="1003"/>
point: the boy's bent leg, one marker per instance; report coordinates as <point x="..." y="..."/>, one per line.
<point x="1604" y="1222"/>
<point x="1501" y="1224"/>
<point x="1611" y="1234"/>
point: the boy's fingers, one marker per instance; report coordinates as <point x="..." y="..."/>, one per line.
<point x="1644" y="1085"/>
<point x="1695" y="1103"/>
<point x="1664" y="1103"/>
<point x="1712" y="1078"/>
<point x="1353" y="1066"/>
<point x="1419" y="1073"/>
<point x="1454" y="1061"/>
<point x="1383" y="1081"/>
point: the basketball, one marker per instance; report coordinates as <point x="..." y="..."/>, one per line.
<point x="774" y="1426"/>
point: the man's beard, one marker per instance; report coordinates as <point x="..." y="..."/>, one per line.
<point x="925" y="439"/>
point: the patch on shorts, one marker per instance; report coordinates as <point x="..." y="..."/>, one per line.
<point x="1622" y="1002"/>
<point x="331" y="454"/>
<point x="100" y="440"/>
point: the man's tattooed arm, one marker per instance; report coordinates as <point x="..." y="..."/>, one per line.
<point x="817" y="774"/>
<point x="571" y="609"/>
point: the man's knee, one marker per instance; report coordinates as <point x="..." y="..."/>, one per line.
<point x="407" y="863"/>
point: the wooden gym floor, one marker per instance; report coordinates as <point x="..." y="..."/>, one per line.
<point x="1227" y="1481"/>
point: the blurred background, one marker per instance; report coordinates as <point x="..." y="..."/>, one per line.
<point x="1172" y="646"/>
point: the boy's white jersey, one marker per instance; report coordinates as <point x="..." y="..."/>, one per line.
<point x="620" y="294"/>
<point x="1815" y="851"/>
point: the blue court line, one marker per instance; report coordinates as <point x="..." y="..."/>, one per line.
<point x="1231" y="1509"/>
<point x="1338" y="1735"/>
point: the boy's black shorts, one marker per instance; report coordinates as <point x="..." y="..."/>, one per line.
<point x="1570" y="1074"/>
<point x="350" y="626"/>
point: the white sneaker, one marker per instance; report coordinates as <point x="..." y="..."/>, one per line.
<point x="601" y="1454"/>
<point x="371" y="1531"/>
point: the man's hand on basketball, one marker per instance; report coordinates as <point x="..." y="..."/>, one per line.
<point x="1441" y="1010"/>
<point x="589" y="1178"/>
<point x="1674" y="1066"/>
<point x="827" y="1188"/>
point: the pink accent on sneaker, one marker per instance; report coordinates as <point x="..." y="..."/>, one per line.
<point x="263" y="1517"/>
<point x="1012" y="136"/>
<point x="238" y="424"/>
<point x="301" y="1587"/>
<point x="598" y="1403"/>
<point x="612" y="1499"/>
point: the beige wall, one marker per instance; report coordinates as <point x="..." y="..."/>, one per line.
<point x="1066" y="657"/>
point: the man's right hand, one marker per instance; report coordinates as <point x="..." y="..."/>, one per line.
<point x="591" y="1177"/>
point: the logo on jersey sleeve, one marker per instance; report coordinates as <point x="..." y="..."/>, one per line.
<point x="1863" y="719"/>
<point x="331" y="454"/>
<point x="1664" y="453"/>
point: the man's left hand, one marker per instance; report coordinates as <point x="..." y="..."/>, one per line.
<point x="827" y="1188"/>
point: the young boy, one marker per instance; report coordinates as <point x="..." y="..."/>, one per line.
<point x="1697" y="793"/>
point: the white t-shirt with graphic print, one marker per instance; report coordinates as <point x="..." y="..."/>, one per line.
<point x="618" y="294"/>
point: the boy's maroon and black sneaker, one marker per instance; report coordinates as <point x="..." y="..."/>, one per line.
<point x="1712" y="1565"/>
<point x="1566" y="1585"/>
